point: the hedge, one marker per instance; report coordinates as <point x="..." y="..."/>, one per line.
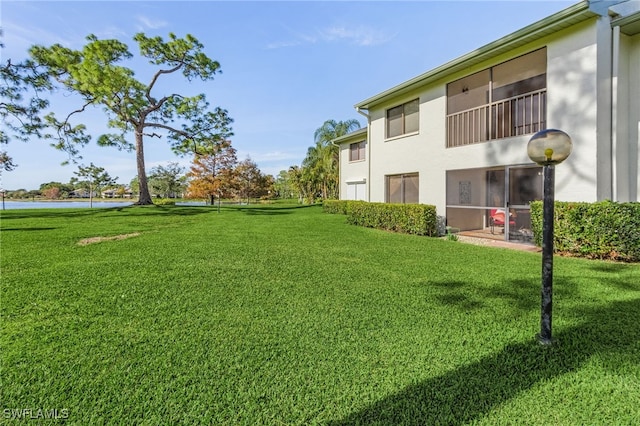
<point x="164" y="202"/>
<point x="602" y="230"/>
<point x="336" y="206"/>
<point x="416" y="219"/>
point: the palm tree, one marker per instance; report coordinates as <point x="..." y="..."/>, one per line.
<point x="322" y="159"/>
<point x="303" y="183"/>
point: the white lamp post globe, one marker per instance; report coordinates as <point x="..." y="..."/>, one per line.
<point x="549" y="147"/>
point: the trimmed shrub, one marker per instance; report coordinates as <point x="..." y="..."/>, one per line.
<point x="164" y="202"/>
<point x="335" y="206"/>
<point x="602" y="230"/>
<point x="416" y="219"/>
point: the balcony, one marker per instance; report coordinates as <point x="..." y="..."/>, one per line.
<point x="516" y="116"/>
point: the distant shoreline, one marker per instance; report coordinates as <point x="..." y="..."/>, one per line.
<point x="72" y="200"/>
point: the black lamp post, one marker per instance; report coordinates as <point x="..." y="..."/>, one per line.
<point x="548" y="148"/>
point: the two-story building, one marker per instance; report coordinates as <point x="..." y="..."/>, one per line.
<point x="456" y="136"/>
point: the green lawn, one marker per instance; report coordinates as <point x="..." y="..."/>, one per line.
<point x="284" y="315"/>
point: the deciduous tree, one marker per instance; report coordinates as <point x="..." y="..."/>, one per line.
<point x="52" y="193"/>
<point x="212" y="171"/>
<point x="251" y="182"/>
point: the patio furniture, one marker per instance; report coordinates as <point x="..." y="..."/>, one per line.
<point x="497" y="218"/>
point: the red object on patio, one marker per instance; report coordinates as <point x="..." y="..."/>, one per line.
<point x="496" y="218"/>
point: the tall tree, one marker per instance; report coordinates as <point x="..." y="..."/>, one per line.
<point x="168" y="180"/>
<point x="304" y="182"/>
<point x="134" y="185"/>
<point x="131" y="105"/>
<point x="322" y="158"/>
<point x="212" y="172"/>
<point x="251" y="182"/>
<point x="21" y="104"/>
<point x="283" y="185"/>
<point x="95" y="178"/>
<point x="56" y="189"/>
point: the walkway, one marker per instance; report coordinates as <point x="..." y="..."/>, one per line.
<point x="498" y="243"/>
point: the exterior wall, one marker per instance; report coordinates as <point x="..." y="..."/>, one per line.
<point x="634" y="118"/>
<point x="626" y="117"/>
<point x="571" y="106"/>
<point x="408" y="153"/>
<point x="572" y="93"/>
<point x="352" y="171"/>
<point x="596" y="103"/>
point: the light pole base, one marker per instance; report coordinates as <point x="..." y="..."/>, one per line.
<point x="544" y="341"/>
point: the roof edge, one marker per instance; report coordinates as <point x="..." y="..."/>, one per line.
<point x="629" y="20"/>
<point x="581" y="9"/>
<point x="349" y="136"/>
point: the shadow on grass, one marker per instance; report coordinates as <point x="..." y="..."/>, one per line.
<point x="270" y="210"/>
<point x="520" y="295"/>
<point x="266" y="212"/>
<point x="471" y="391"/>
<point x="151" y="210"/>
<point x="26" y="229"/>
<point x="51" y="213"/>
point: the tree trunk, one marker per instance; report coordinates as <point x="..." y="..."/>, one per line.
<point x="144" y="197"/>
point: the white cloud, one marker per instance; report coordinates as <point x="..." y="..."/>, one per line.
<point x="356" y="35"/>
<point x="360" y="36"/>
<point x="283" y="44"/>
<point x="147" y="23"/>
<point x="112" y="32"/>
<point x="268" y="157"/>
<point x="19" y="39"/>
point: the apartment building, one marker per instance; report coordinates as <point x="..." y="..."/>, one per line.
<point x="456" y="136"/>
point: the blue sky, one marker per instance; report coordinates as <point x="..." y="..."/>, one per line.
<point x="287" y="66"/>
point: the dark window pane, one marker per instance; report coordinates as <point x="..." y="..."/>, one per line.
<point x="525" y="185"/>
<point x="394" y="189"/>
<point x="521" y="75"/>
<point x="394" y="121"/>
<point x="411" y="116"/>
<point x="469" y="92"/>
<point x="402" y="189"/>
<point x="353" y="152"/>
<point x="411" y="189"/>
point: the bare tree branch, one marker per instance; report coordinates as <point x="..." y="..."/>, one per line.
<point x="158" y="74"/>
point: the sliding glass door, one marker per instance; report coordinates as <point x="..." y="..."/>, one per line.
<point x="525" y="185"/>
<point x="493" y="202"/>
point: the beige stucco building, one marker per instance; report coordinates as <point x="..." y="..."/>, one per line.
<point x="456" y="136"/>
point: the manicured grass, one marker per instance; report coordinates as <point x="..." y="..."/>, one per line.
<point x="285" y="315"/>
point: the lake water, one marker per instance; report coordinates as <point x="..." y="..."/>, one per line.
<point x="12" y="205"/>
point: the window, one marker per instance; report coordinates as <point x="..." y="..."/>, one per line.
<point x="506" y="100"/>
<point x="402" y="189"/>
<point x="403" y="119"/>
<point x="356" y="151"/>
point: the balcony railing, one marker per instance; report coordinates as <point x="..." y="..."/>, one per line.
<point x="520" y="115"/>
